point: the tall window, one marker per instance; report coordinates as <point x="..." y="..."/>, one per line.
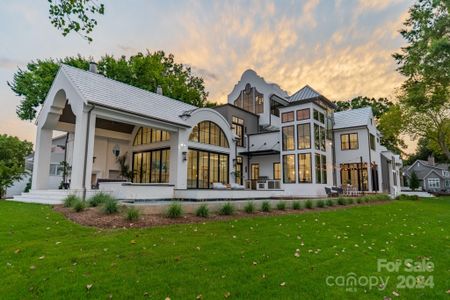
<point x="237" y="125"/>
<point x="287" y="117"/>
<point x="238" y="168"/>
<point x="319" y="137"/>
<point x="372" y="142"/>
<point x="289" y="168"/>
<point x="250" y="100"/>
<point x="276" y="171"/>
<point x="206" y="168"/>
<point x="434" y="183"/>
<point x="288" y="138"/>
<point x="151" y="166"/>
<point x="303" y="114"/>
<point x="207" y="132"/>
<point x="321" y="168"/>
<point x="304" y="136"/>
<point x="145" y="136"/>
<point x="304" y="168"/>
<point x="349" y="141"/>
<point x="254" y="171"/>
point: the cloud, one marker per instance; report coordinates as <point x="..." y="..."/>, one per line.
<point x="308" y="17"/>
<point x="9" y="63"/>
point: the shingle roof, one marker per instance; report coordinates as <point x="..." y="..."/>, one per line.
<point x="97" y="89"/>
<point x="352" y="118"/>
<point x="304" y="93"/>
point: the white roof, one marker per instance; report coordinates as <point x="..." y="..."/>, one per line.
<point x="98" y="89"/>
<point x="352" y="118"/>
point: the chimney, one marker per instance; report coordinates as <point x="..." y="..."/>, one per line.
<point x="93" y="67"/>
<point x="159" y="90"/>
<point x="431" y="160"/>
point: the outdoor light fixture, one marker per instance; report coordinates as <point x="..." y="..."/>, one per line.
<point x="116" y="150"/>
<point x="184" y="153"/>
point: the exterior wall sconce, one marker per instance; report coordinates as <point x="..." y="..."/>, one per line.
<point x="184" y="155"/>
<point x="116" y="150"/>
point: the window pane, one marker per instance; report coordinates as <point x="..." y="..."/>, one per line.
<point x="145" y="167"/>
<point x="304" y="168"/>
<point x="223" y="167"/>
<point x="354" y="141"/>
<point x="209" y="133"/>
<point x="345" y="143"/>
<point x="322" y="138"/>
<point x="289" y="168"/>
<point x="213" y="167"/>
<point x="324" y="169"/>
<point x="203" y="171"/>
<point x="318" y="169"/>
<point x="288" y="138"/>
<point x="259" y="103"/>
<point x="276" y="171"/>
<point x="156" y="166"/>
<point x="138" y="138"/>
<point x="165" y="165"/>
<point x="204" y="132"/>
<point x="192" y="169"/>
<point x="214" y="135"/>
<point x="304" y="136"/>
<point x="137" y="167"/>
<point x="194" y="134"/>
<point x="303" y="114"/>
<point x="287" y="117"/>
<point x="316" y="137"/>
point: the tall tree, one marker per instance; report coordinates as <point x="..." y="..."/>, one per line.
<point x="146" y="71"/>
<point x="12" y="160"/>
<point x="75" y="16"/>
<point x="425" y="62"/>
<point x="379" y="106"/>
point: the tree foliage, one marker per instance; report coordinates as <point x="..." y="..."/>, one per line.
<point x="144" y="70"/>
<point x="425" y="62"/>
<point x="414" y="181"/>
<point x="12" y="160"/>
<point x="426" y="148"/>
<point x="379" y="106"/>
<point x="75" y="16"/>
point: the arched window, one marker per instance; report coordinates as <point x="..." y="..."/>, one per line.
<point x="146" y="136"/>
<point x="207" y="132"/>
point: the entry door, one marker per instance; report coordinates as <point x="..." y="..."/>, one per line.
<point x="239" y="170"/>
<point x="254" y="175"/>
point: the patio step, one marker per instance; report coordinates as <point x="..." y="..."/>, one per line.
<point x="42" y="196"/>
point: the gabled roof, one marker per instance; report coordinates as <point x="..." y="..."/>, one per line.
<point x="98" y="89"/>
<point x="435" y="172"/>
<point x="304" y="93"/>
<point x="352" y="118"/>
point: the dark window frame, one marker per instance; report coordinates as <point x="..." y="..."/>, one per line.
<point x="221" y="134"/>
<point x="160" y="150"/>
<point x="273" y="167"/>
<point x="349" y="143"/>
<point x="308" y="154"/>
<point x="209" y="168"/>
<point x="283" y="175"/>
<point x="301" y="111"/>
<point x="298" y="135"/>
<point x="283" y="139"/>
<point x="291" y="117"/>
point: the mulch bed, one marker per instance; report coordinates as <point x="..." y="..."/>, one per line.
<point x="93" y="216"/>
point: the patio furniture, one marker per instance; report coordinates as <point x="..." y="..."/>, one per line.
<point x="331" y="193"/>
<point x="235" y="186"/>
<point x="338" y="190"/>
<point x="218" y="186"/>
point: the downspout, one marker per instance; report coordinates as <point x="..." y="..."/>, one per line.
<point x="370" y="160"/>
<point x="86" y="150"/>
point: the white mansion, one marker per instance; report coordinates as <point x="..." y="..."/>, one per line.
<point x="262" y="143"/>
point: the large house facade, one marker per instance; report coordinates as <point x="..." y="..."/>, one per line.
<point x="263" y="143"/>
<point x="432" y="177"/>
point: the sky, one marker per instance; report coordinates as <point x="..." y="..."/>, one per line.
<point x="342" y="48"/>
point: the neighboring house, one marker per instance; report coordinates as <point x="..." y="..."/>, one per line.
<point x="432" y="177"/>
<point x="55" y="169"/>
<point x="263" y="139"/>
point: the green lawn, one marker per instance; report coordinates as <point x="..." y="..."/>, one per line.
<point x="42" y="255"/>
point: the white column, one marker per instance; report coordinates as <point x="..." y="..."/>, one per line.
<point x="41" y="164"/>
<point x="178" y="166"/>
<point x="80" y="149"/>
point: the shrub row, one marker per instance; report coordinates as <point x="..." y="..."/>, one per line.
<point x="407" y="197"/>
<point x="175" y="209"/>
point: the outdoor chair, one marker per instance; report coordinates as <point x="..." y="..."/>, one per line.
<point x="331" y="193"/>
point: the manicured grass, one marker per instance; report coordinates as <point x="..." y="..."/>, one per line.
<point x="42" y="255"/>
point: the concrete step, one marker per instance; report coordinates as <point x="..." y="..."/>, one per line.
<point x="28" y="199"/>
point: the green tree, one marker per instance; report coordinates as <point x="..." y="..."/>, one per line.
<point x="75" y="16"/>
<point x="425" y="148"/>
<point x="379" y="106"/>
<point x="425" y="62"/>
<point x="12" y="160"/>
<point x="414" y="181"/>
<point x="146" y="71"/>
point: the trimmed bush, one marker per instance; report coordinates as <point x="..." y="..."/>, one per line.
<point x="175" y="210"/>
<point x="133" y="213"/>
<point x="359" y="200"/>
<point x="309" y="204"/>
<point x="320" y="203"/>
<point x="330" y="202"/>
<point x="70" y="200"/>
<point x="249" y="207"/>
<point x="296" y="205"/>
<point x="341" y="201"/>
<point x="265" y="206"/>
<point x="79" y="205"/>
<point x="407" y="197"/>
<point x="202" y="211"/>
<point x="281" y="205"/>
<point x="110" y="206"/>
<point x="227" y="209"/>
<point x="350" y="201"/>
<point x="99" y="199"/>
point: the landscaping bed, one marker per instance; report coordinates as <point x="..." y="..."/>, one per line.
<point x="96" y="217"/>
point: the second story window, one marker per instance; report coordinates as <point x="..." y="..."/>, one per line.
<point x="349" y="141"/>
<point x="318" y="116"/>
<point x="250" y="100"/>
<point x="372" y="142"/>
<point x="288" y="138"/>
<point x="237" y="125"/>
<point x="303" y="136"/>
<point x="287" y="117"/>
<point x="303" y="114"/>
